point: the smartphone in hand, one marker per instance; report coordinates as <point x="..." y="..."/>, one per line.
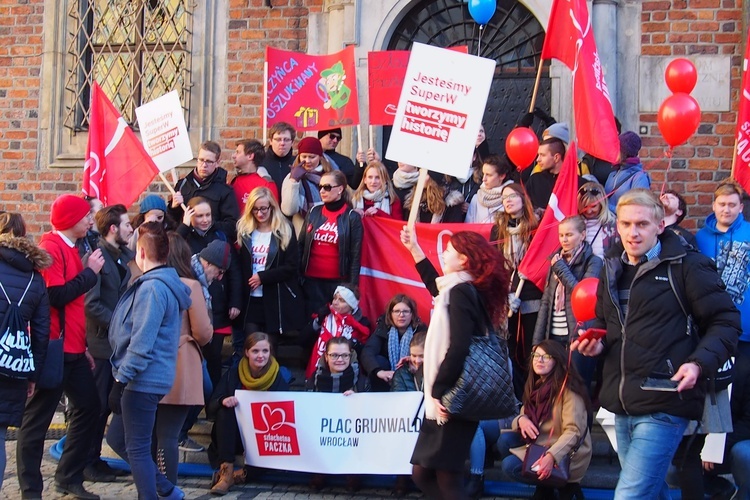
<point x="592" y="334"/>
<point x="659" y="384"/>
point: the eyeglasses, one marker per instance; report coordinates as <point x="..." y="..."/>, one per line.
<point x="281" y="139"/>
<point x="205" y="162"/>
<point x="541" y="357"/>
<point x="260" y="210"/>
<point x="334" y="137"/>
<point x="511" y="196"/>
<point x="594" y="191"/>
<point x="401" y="312"/>
<point x="327" y="187"/>
<point x="335" y="355"/>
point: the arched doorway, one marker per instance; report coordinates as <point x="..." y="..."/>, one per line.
<point x="513" y="38"/>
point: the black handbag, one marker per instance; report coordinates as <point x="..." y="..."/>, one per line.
<point x="560" y="472"/>
<point x="484" y="390"/>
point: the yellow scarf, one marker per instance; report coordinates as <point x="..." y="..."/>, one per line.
<point x="263" y="382"/>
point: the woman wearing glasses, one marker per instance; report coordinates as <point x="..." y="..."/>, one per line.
<point x="330" y="242"/>
<point x="390" y="341"/>
<point x="554" y="415"/>
<point x="375" y="195"/>
<point x="300" y="189"/>
<point x="512" y="233"/>
<point x="601" y="232"/>
<point x="496" y="174"/>
<point x="269" y="258"/>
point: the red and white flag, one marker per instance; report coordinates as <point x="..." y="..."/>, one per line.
<point x="741" y="160"/>
<point x="570" y="39"/>
<point x="117" y="169"/>
<point x="562" y="203"/>
<point x="388" y="267"/>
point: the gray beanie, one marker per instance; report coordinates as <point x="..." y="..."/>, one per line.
<point x="218" y="253"/>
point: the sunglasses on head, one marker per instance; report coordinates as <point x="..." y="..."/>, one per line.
<point x="593" y="190"/>
<point x="327" y="187"/>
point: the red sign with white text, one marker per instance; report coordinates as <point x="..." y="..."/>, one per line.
<point x="275" y="429"/>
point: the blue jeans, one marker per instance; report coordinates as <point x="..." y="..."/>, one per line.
<point x="645" y="447"/>
<point x="741" y="468"/>
<point x="487" y="434"/>
<point x="512" y="465"/>
<point x="137" y="423"/>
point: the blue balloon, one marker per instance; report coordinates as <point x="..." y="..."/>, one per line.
<point x="482" y="10"/>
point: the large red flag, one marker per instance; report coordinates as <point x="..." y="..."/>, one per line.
<point x="570" y="39"/>
<point x="117" y="169"/>
<point x="741" y="160"/>
<point x="563" y="203"/>
<point x="311" y="92"/>
<point x="388" y="267"/>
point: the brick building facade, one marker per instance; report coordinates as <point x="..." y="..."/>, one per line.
<point x="40" y="158"/>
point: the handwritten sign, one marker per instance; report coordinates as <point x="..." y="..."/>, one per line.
<point x="163" y="131"/>
<point x="440" y="109"/>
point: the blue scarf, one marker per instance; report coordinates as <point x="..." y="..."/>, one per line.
<point x="396" y="349"/>
<point x="200" y="275"/>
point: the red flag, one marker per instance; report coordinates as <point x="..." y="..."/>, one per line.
<point x="388" y="267"/>
<point x="563" y="203"/>
<point x="311" y="92"/>
<point x="117" y="169"/>
<point x="570" y="39"/>
<point x="741" y="160"/>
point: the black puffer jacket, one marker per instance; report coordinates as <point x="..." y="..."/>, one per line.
<point x="585" y="265"/>
<point x="220" y="196"/>
<point x="350" y="241"/>
<point x="652" y="336"/>
<point x="20" y="259"/>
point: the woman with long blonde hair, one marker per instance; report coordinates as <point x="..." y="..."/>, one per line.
<point x="431" y="206"/>
<point x="375" y="195"/>
<point x="268" y="259"/>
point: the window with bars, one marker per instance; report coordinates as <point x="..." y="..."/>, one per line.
<point x="137" y="50"/>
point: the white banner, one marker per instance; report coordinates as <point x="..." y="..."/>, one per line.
<point x="163" y="131"/>
<point x="440" y="110"/>
<point x="368" y="433"/>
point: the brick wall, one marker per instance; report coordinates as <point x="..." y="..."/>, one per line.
<point x="683" y="28"/>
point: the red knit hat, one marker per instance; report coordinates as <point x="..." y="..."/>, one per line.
<point x="67" y="211"/>
<point x="310" y="145"/>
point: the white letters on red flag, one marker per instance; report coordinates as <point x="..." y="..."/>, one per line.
<point x="741" y="162"/>
<point x="388" y="267"/>
<point x="570" y="39"/>
<point x="117" y="168"/>
<point x="563" y="203"/>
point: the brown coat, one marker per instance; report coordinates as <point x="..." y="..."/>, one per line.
<point x="565" y="436"/>
<point x="196" y="331"/>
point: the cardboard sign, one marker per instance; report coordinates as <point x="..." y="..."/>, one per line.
<point x="163" y="131"/>
<point x="440" y="109"/>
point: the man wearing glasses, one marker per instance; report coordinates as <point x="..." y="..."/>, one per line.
<point x="330" y="139"/>
<point x="279" y="157"/>
<point x="209" y="181"/>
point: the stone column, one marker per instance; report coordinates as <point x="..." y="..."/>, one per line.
<point x="604" y="21"/>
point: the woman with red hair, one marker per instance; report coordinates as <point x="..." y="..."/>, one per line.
<point x="464" y="296"/>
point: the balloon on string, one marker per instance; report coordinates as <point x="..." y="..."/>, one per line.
<point x="583" y="299"/>
<point x="522" y="146"/>
<point x="678" y="118"/>
<point x="482" y="10"/>
<point x="681" y="76"/>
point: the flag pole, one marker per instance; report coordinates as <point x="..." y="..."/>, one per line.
<point x="536" y="85"/>
<point x="734" y="157"/>
<point x="371" y="135"/>
<point x="359" y="142"/>
<point x="265" y="102"/>
<point x="521" y="281"/>
<point x="417" y="198"/>
<point x="169" y="187"/>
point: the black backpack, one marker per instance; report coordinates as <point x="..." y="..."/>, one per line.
<point x="16" y="359"/>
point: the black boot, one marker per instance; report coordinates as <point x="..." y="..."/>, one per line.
<point x="571" y="491"/>
<point x="475" y="486"/>
<point x="543" y="493"/>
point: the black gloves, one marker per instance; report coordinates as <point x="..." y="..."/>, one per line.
<point x="528" y="118"/>
<point x="115" y="397"/>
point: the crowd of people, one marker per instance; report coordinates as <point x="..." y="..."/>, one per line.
<point x="128" y="317"/>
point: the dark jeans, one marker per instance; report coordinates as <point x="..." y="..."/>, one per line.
<point x="225" y="437"/>
<point x="212" y="355"/>
<point x="317" y="293"/>
<point x="134" y="429"/>
<point x="103" y="380"/>
<point x="169" y="420"/>
<point x="78" y="384"/>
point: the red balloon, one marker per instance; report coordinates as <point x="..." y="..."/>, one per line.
<point x="583" y="299"/>
<point x="678" y="118"/>
<point x="522" y="146"/>
<point x="681" y="76"/>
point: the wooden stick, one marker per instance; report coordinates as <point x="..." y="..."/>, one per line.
<point x="359" y="143"/>
<point x="536" y="86"/>
<point x="417" y="198"/>
<point x="734" y="158"/>
<point x="371" y="135"/>
<point x="169" y="187"/>
<point x="265" y="103"/>
<point x="173" y="174"/>
<point x="518" y="292"/>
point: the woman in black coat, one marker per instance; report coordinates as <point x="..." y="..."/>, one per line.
<point x="465" y="296"/>
<point x="269" y="259"/>
<point x="20" y="263"/>
<point x="389" y="343"/>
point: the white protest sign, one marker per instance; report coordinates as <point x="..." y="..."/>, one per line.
<point x="440" y="110"/>
<point x="329" y="433"/>
<point x="163" y="131"/>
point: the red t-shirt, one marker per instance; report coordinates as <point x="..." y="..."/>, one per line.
<point x="243" y="184"/>
<point x="324" y="252"/>
<point x="66" y="264"/>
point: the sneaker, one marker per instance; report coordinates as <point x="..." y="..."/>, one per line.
<point x="190" y="445"/>
<point x="175" y="494"/>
